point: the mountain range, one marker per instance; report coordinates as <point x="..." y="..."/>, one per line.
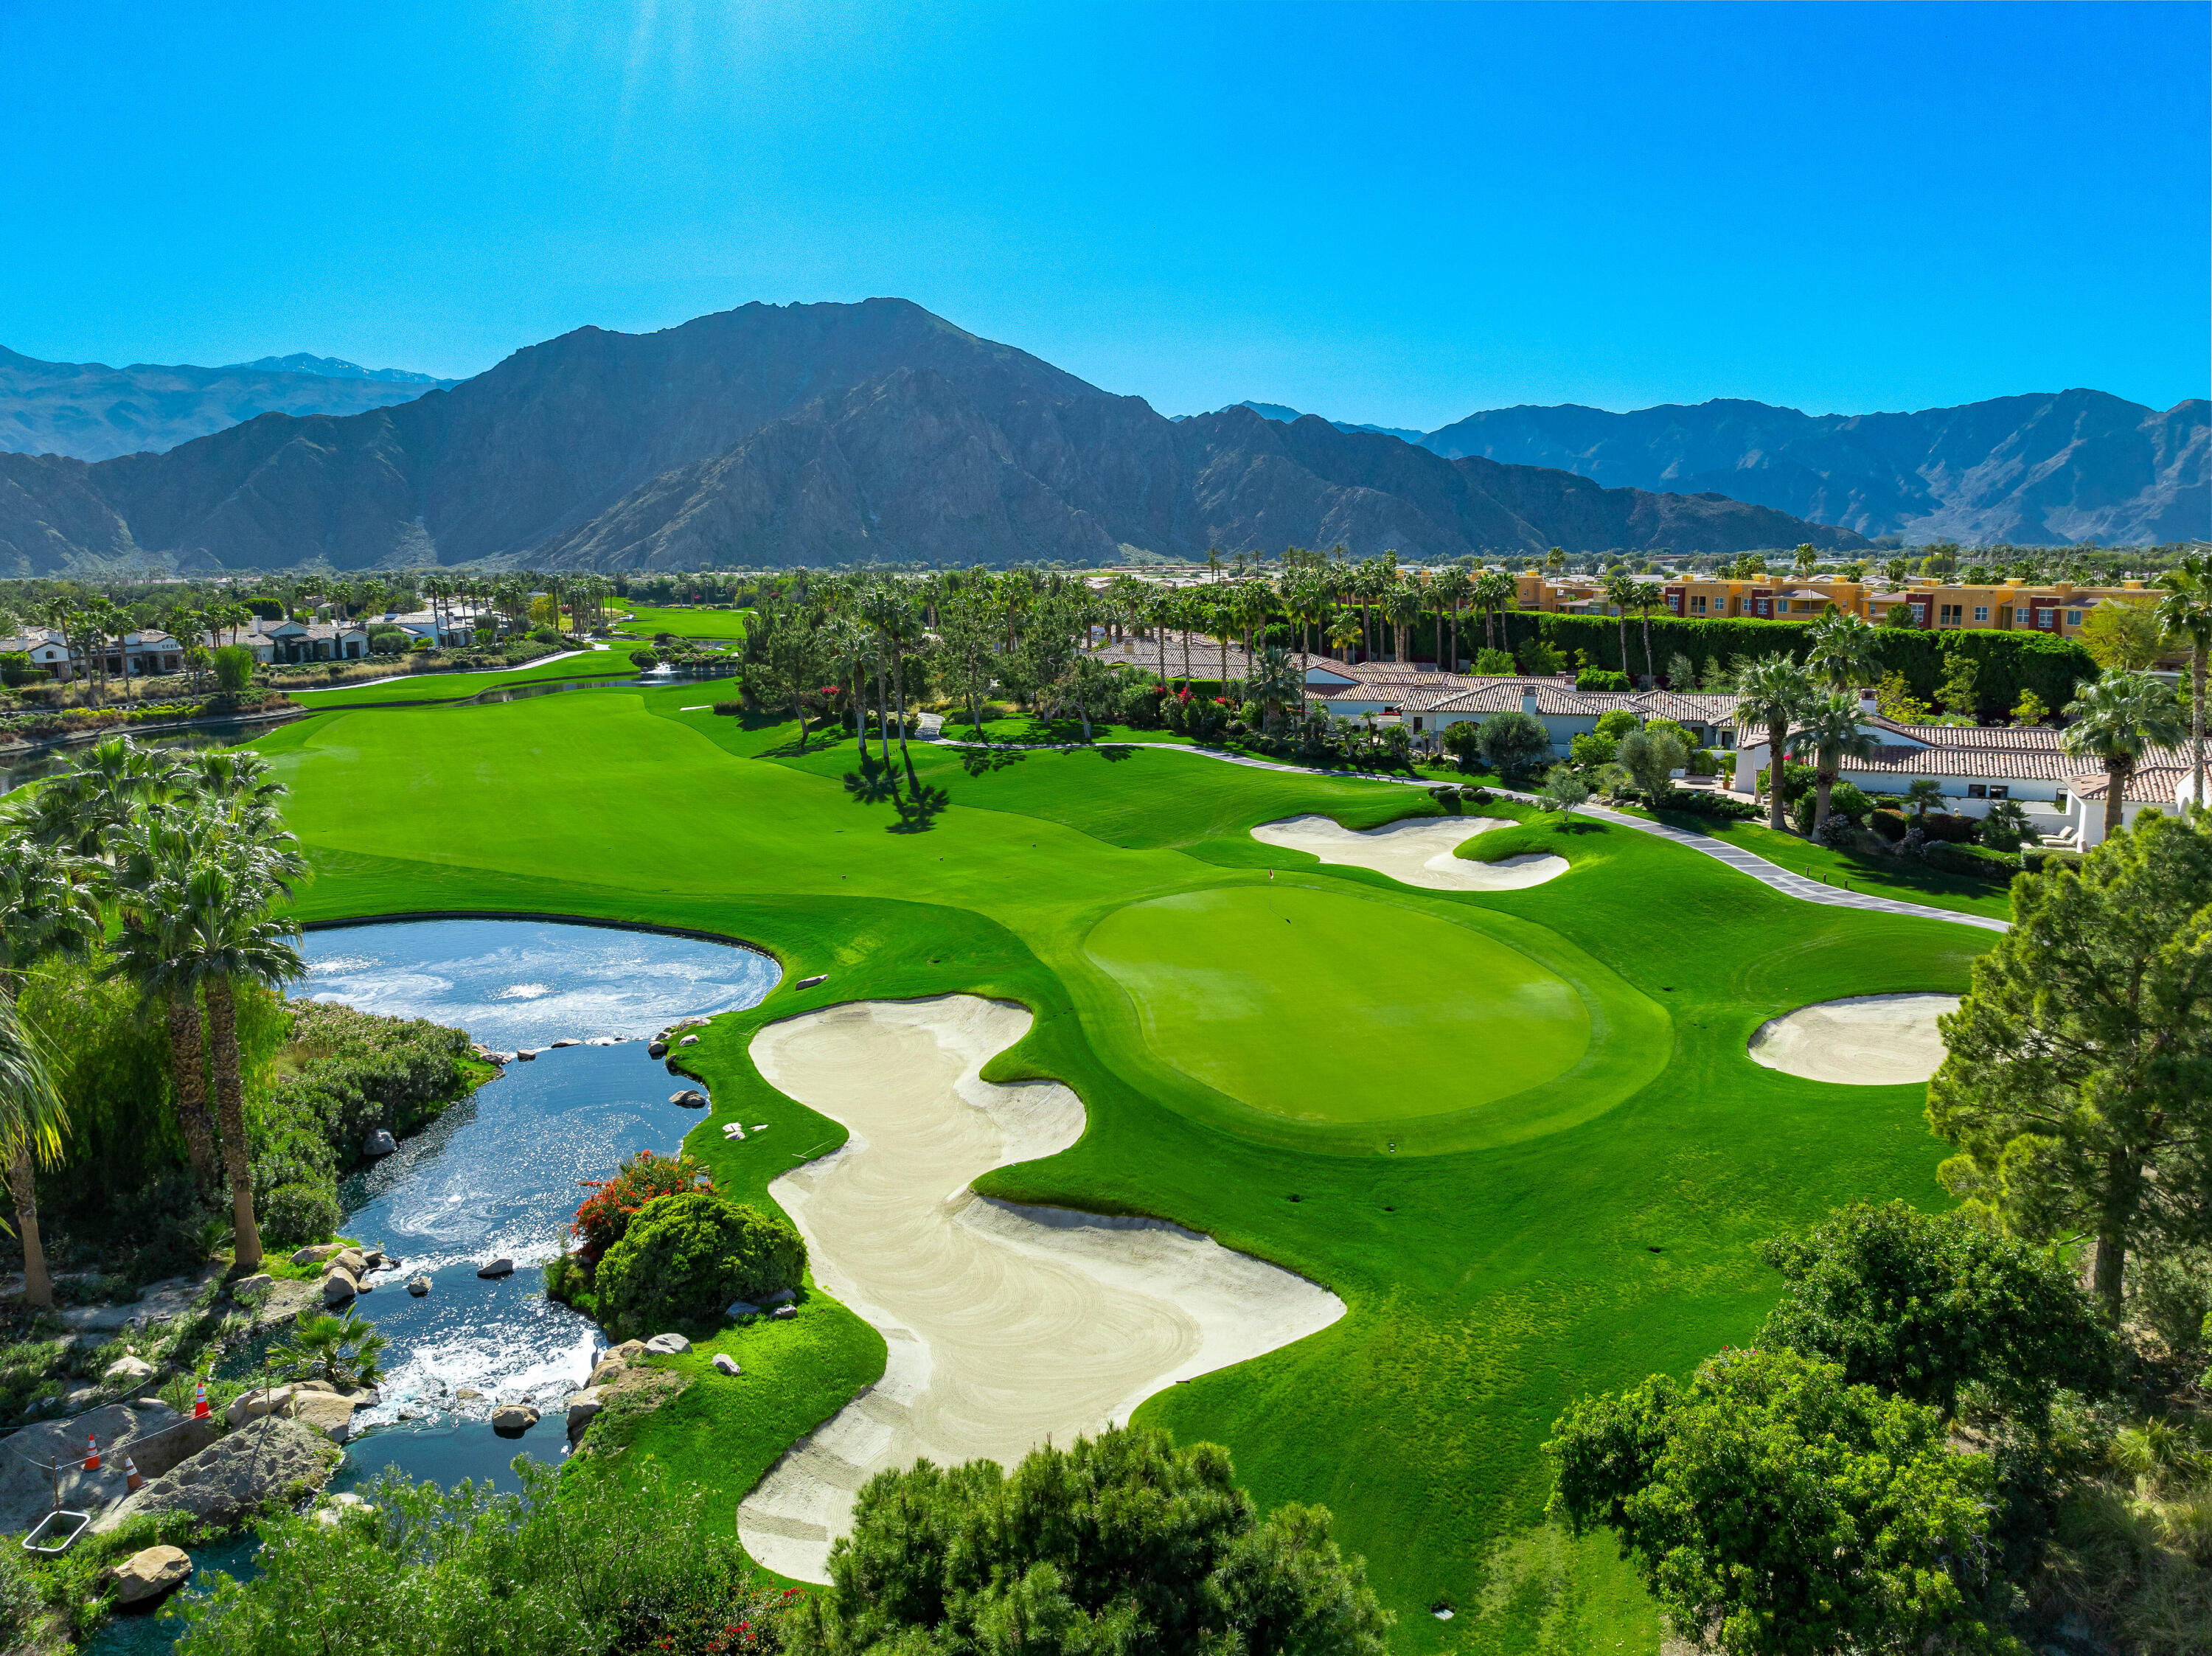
<point x="2050" y="469"/>
<point x="90" y="411"/>
<point x="808" y="434"/>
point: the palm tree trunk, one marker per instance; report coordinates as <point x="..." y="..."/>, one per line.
<point x="188" y="1068"/>
<point x="2116" y="788"/>
<point x="1624" y="640"/>
<point x="1775" y="736"/>
<point x="898" y="684"/>
<point x="1823" y="786"/>
<point x="1452" y="666"/>
<point x="1651" y="667"/>
<point x="38" y="1287"/>
<point x="230" y="1112"/>
<point x="882" y="709"/>
<point x="2196" y="721"/>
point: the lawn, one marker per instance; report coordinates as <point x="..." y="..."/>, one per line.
<point x="1506" y="1257"/>
<point x="682" y="622"/>
<point x="409" y="688"/>
<point x="1886" y="876"/>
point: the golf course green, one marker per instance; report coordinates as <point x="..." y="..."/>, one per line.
<point x="1249" y="989"/>
<point x="1517" y="1132"/>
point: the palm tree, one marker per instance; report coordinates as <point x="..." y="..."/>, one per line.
<point x="1276" y="681"/>
<point x="1403" y="603"/>
<point x="1772" y="691"/>
<point x="2186" y="611"/>
<point x="1454" y="589"/>
<point x="48" y="905"/>
<point x="1844" y="651"/>
<point x="1495" y="591"/>
<point x="1645" y="597"/>
<point x="1830" y="728"/>
<point x="2113" y="719"/>
<point x="32" y="1123"/>
<point x="1256" y="605"/>
<point x="1620" y="593"/>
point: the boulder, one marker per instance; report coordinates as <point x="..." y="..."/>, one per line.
<point x="738" y="1309"/>
<point x="668" y="1345"/>
<point x="513" y="1419"/>
<point x="127" y="1371"/>
<point x="582" y="1406"/>
<point x="567" y="1040"/>
<point x="785" y="1312"/>
<point x="318" y="1253"/>
<point x="352" y="1260"/>
<point x="691" y="1098"/>
<point x="248" y="1287"/>
<point x="527" y="1054"/>
<point x="338" y="1287"/>
<point x="689" y="1041"/>
<point x="781" y="1296"/>
<point x="467" y="1394"/>
<point x="372" y="1258"/>
<point x="419" y="1286"/>
<point x="726" y="1363"/>
<point x="496" y="1268"/>
<point x="262" y="1400"/>
<point x="152" y="1432"/>
<point x="629" y="1350"/>
<point x="329" y="1412"/>
<point x="234" y="1475"/>
<point x="379" y="1144"/>
<point x="613" y="1368"/>
<point x="150" y="1573"/>
<point x="656" y="1049"/>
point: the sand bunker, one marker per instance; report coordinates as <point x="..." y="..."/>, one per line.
<point x="1869" y="1040"/>
<point x="1006" y="1325"/>
<point x="1418" y="853"/>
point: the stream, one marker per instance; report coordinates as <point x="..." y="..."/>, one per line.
<point x="497" y="1175"/>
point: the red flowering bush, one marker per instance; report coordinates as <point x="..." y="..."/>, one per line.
<point x="604" y="1217"/>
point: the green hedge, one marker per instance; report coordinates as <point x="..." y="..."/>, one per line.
<point x="2008" y="662"/>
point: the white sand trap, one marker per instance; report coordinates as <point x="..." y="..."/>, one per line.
<point x="1006" y="1324"/>
<point x="1867" y="1041"/>
<point x="1418" y="853"/>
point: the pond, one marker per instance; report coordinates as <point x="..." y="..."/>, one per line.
<point x="497" y="1175"/>
<point x="33" y="765"/>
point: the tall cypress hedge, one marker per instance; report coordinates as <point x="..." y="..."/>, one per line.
<point x="2009" y="662"/>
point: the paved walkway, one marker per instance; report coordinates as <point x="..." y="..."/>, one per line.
<point x="1770" y="875"/>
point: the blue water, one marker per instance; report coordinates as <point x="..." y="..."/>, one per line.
<point x="496" y="1176"/>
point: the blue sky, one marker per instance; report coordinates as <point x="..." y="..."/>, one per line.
<point x="1397" y="214"/>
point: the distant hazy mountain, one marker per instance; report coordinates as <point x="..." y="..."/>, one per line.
<point x="2069" y="466"/>
<point x="807" y="433"/>
<point x="1289" y="415"/>
<point x="334" y="368"/>
<point x="90" y="411"/>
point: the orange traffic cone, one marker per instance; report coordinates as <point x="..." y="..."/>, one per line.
<point x="130" y="1478"/>
<point x="91" y="1452"/>
<point x="199" y="1401"/>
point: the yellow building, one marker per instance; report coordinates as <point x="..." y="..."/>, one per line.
<point x="2057" y="609"/>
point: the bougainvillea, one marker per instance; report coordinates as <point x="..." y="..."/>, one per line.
<point x="605" y="1214"/>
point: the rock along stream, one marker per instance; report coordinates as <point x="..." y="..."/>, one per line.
<point x="497" y="1175"/>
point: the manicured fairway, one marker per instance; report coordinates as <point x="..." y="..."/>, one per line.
<point x="682" y="622"/>
<point x="1576" y="1234"/>
<point x="613" y="662"/>
<point x="1251" y="989"/>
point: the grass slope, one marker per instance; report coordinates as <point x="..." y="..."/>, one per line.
<point x="1606" y="1235"/>
<point x="409" y="688"/>
<point x="682" y="622"/>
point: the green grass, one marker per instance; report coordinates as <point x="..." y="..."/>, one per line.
<point x="1504" y="1259"/>
<point x="613" y="662"/>
<point x="682" y="622"/>
<point x="1885" y="877"/>
<point x="1222" y="981"/>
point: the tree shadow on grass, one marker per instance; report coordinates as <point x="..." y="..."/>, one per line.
<point x="918" y="804"/>
<point x="978" y="761"/>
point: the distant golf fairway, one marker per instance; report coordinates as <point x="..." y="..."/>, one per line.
<point x="1249" y="988"/>
<point x="1498" y="1259"/>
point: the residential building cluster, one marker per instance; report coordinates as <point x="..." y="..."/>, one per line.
<point x="151" y="652"/>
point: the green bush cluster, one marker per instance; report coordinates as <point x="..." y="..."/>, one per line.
<point x="684" y="1258"/>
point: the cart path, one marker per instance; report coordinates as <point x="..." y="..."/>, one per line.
<point x="1770" y="875"/>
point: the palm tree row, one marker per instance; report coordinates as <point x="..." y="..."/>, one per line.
<point x="189" y="860"/>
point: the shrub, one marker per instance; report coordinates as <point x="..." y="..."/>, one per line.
<point x="2035" y="859"/>
<point x="1719" y="807"/>
<point x="389" y="641"/>
<point x="607" y="1213"/>
<point x="1463" y="742"/>
<point x="1494" y="664"/>
<point x="1849" y="799"/>
<point x="1513" y="743"/>
<point x="1591" y="749"/>
<point x="233" y="668"/>
<point x="1958" y="830"/>
<point x="1837" y="832"/>
<point x="645" y="660"/>
<point x="1597" y="678"/>
<point x="1538" y="659"/>
<point x="15" y="667"/>
<point x="1889" y="824"/>
<point x="1950" y="857"/>
<point x="1702" y="762"/>
<point x="2005" y="825"/>
<point x="729" y="709"/>
<point x="1120" y="1542"/>
<point x="300" y="1212"/>
<point x="685" y="1257"/>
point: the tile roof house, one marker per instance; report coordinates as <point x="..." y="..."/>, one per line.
<point x="1429" y="703"/>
